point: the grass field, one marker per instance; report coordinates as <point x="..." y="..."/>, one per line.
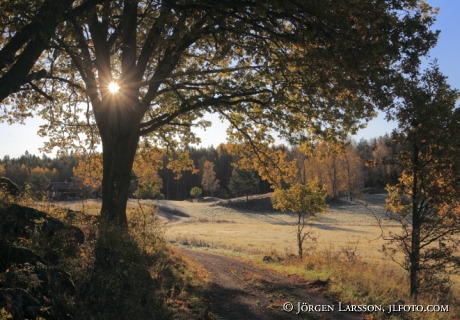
<point x="347" y="249"/>
<point x="255" y="227"/>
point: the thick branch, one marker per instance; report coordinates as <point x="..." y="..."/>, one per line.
<point x="37" y="35"/>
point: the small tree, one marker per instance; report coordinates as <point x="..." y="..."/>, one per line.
<point x="146" y="165"/>
<point x="88" y="173"/>
<point x="243" y="181"/>
<point x="196" y="192"/>
<point x="306" y="200"/>
<point x="209" y="182"/>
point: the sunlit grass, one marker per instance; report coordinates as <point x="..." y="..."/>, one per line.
<point x="350" y="279"/>
<point x="348" y="256"/>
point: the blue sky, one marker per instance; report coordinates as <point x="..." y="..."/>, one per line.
<point x="16" y="139"/>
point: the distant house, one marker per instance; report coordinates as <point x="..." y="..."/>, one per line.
<point x="61" y="190"/>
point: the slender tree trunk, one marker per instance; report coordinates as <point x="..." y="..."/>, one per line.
<point x="299" y="236"/>
<point x="350" y="187"/>
<point x="415" y="237"/>
<point x="336" y="178"/>
<point x="415" y="260"/>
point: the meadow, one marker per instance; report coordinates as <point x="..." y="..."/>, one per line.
<point x="347" y="251"/>
<point x="256" y="228"/>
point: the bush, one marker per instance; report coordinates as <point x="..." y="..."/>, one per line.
<point x="196" y="192"/>
<point x="149" y="190"/>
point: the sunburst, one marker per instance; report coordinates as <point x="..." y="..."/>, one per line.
<point x="114" y="87"/>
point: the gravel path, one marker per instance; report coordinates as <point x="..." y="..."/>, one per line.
<point x="241" y="291"/>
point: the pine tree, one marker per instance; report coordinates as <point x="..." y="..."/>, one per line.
<point x="243" y="182"/>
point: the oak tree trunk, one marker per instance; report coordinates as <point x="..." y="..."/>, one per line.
<point x="118" y="158"/>
<point x="120" y="138"/>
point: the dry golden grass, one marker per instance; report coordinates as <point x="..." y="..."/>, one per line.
<point x="257" y="228"/>
<point x="238" y="227"/>
<point x="347" y="250"/>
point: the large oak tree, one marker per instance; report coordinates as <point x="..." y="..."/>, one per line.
<point x="305" y="69"/>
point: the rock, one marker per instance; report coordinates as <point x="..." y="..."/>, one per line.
<point x="20" y="221"/>
<point x="23" y="263"/>
<point x="19" y="302"/>
<point x="31" y="286"/>
<point x="25" y="305"/>
<point x="9" y="188"/>
<point x="11" y="254"/>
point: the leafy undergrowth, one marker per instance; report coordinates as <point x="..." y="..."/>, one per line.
<point x="107" y="275"/>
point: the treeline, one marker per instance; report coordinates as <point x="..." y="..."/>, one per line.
<point x="33" y="174"/>
<point x="367" y="164"/>
<point x="346" y="172"/>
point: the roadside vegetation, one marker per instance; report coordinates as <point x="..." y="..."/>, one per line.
<point x="345" y="260"/>
<point x="343" y="275"/>
<point x="151" y="280"/>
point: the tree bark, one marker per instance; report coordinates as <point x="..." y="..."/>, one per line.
<point x="415" y="236"/>
<point x="120" y="138"/>
<point x="299" y="236"/>
<point x="118" y="158"/>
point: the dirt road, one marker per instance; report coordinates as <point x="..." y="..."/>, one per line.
<point x="241" y="291"/>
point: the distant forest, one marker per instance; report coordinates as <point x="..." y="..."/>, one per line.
<point x="361" y="166"/>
